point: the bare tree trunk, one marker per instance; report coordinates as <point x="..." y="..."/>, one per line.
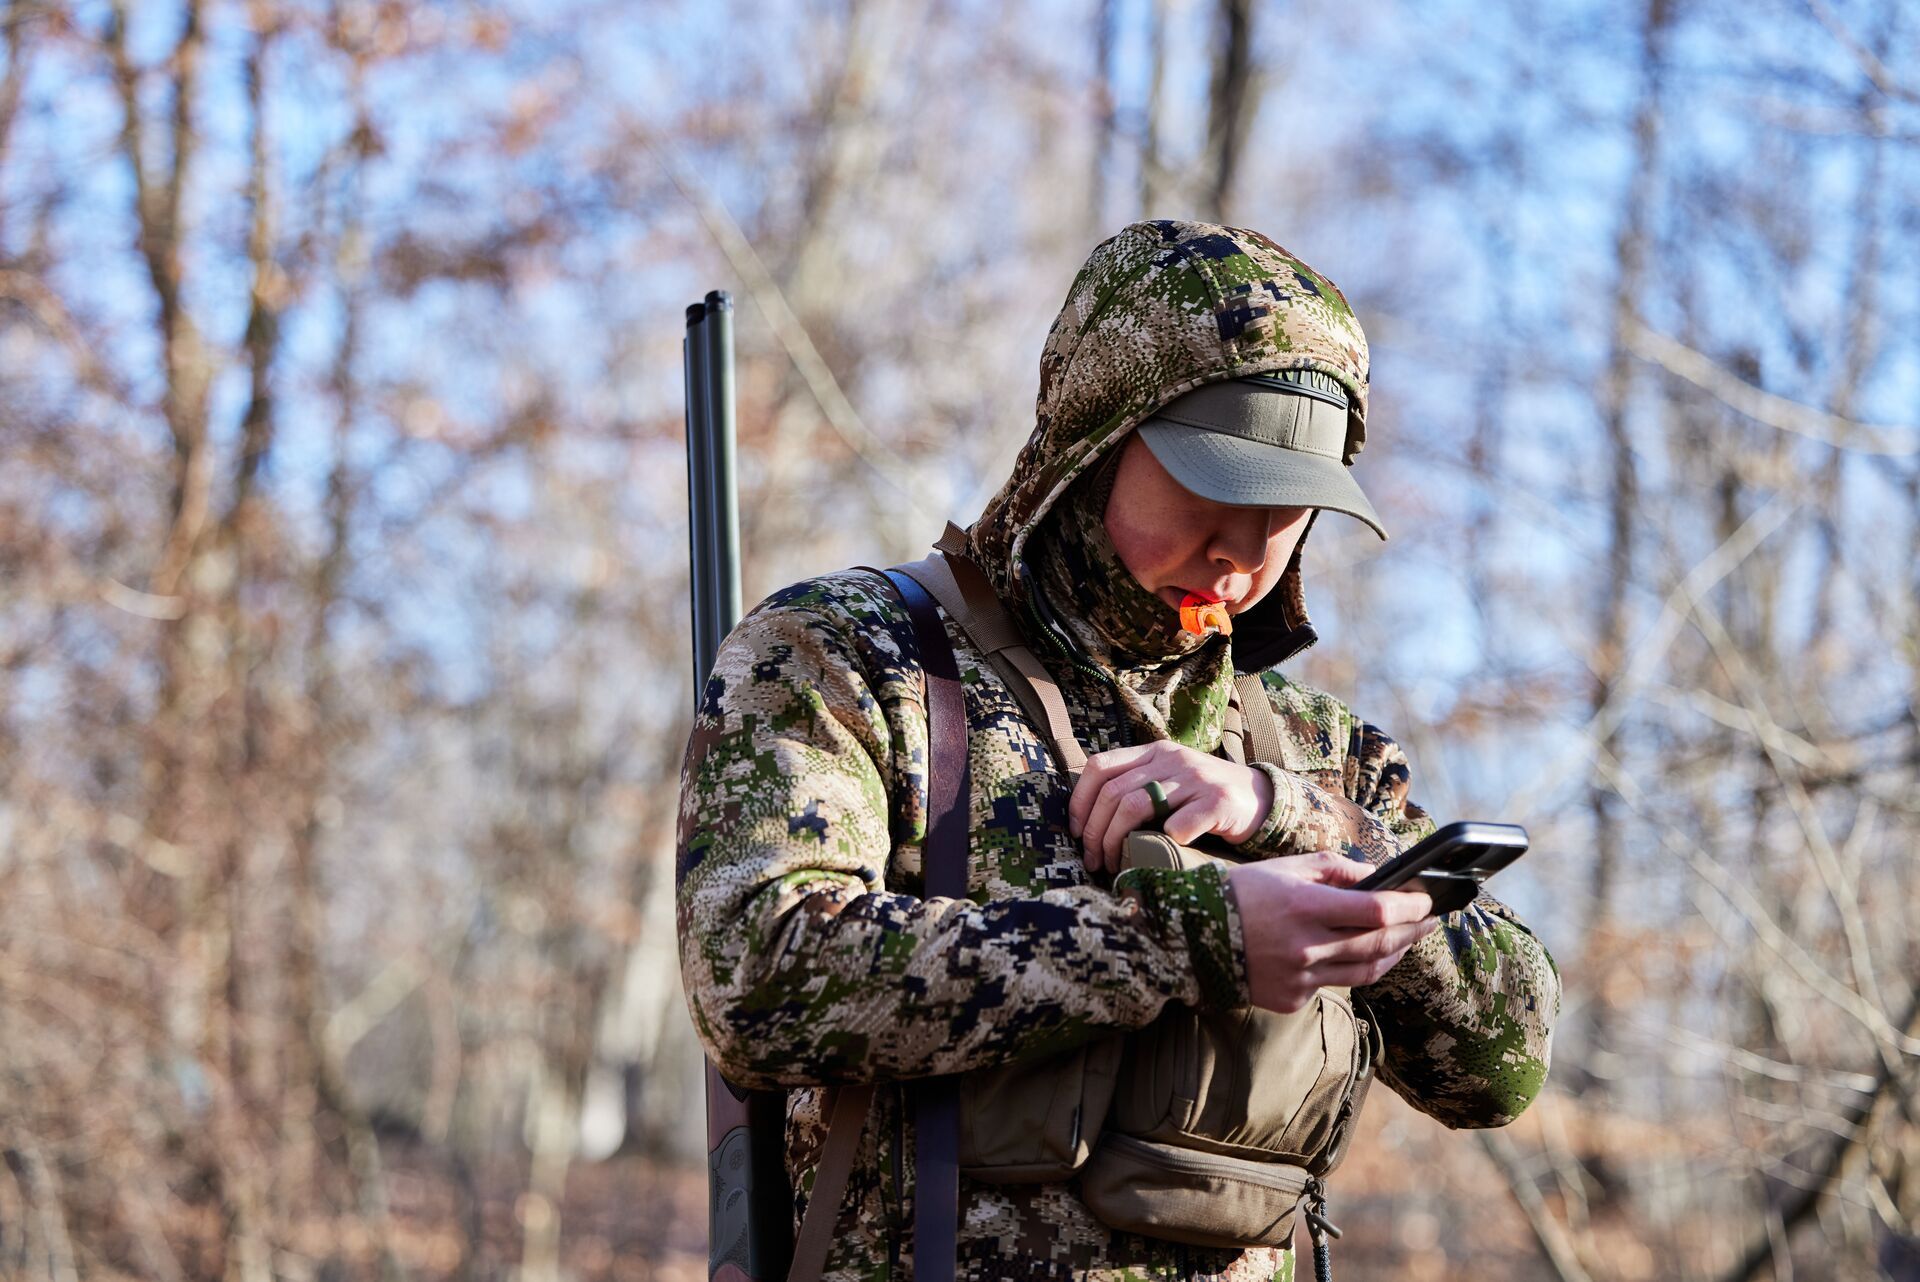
<point x="158" y="202"/>
<point x="13" y="34"/>
<point x="1153" y="174"/>
<point x="1861" y="349"/>
<point x="1231" y="102"/>
<point x="1106" y="114"/>
<point x="847" y="149"/>
<point x="339" y="1147"/>
<point x="200" y="727"/>
<point x="553" y="1122"/>
<point x="1623" y="501"/>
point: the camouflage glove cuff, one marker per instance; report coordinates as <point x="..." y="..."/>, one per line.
<point x="1192" y="906"/>
<point x="1289" y="800"/>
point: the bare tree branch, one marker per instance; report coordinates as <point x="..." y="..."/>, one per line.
<point x="1869" y="62"/>
<point x="792" y="335"/>
<point x="1552" y="1236"/>
<point x="1766" y="408"/>
<point x="1892" y="1082"/>
<point x="1650" y="650"/>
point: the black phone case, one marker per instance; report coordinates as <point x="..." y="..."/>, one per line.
<point x="1451" y="864"/>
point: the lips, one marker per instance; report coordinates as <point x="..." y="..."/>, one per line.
<point x="1176" y="596"/>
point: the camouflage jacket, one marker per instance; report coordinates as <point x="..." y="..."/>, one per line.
<point x="810" y="956"/>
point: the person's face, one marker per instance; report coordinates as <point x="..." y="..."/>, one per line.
<point x="1175" y="542"/>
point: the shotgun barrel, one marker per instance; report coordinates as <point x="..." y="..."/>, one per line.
<point x="749" y="1205"/>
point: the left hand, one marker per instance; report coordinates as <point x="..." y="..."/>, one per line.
<point x="1207" y="794"/>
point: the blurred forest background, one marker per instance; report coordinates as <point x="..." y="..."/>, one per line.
<point x="344" y="653"/>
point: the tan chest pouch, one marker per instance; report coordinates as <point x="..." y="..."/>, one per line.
<point x="1204" y="1128"/>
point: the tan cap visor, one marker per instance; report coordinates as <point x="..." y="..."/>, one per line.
<point x="1252" y="444"/>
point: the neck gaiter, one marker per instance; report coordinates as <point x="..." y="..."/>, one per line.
<point x="1172" y="684"/>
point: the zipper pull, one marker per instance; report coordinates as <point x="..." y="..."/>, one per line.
<point x="1318" y="1225"/>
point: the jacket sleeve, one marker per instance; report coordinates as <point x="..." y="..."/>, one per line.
<point x="1468" y="1013"/>
<point x="805" y="956"/>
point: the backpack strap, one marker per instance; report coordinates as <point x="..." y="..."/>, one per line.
<point x="936" y="1120"/>
<point x="970" y="601"/>
<point x="1233" y="735"/>
<point x="1262" y="726"/>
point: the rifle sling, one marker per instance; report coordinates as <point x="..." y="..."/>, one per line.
<point x="936" y="1202"/>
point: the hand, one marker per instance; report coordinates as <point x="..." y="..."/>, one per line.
<point x="1304" y="930"/>
<point x="1208" y="794"/>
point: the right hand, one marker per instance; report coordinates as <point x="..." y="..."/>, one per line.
<point x="1305" y="930"/>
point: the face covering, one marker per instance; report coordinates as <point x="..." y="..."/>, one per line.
<point x="1171" y="683"/>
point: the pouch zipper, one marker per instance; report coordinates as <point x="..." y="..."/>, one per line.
<point x="1284" y="1177"/>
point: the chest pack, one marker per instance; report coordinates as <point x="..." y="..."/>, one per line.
<point x="1208" y="1128"/>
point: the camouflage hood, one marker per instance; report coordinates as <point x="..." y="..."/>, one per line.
<point x="1158" y="310"/>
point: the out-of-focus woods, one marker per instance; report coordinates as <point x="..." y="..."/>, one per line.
<point x="343" y="642"/>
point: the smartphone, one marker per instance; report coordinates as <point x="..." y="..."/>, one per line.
<point x="1451" y="864"/>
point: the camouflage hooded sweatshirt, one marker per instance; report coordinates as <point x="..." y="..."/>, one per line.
<point x="811" y="957"/>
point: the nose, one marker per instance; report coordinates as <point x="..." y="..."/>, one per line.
<point x="1239" y="542"/>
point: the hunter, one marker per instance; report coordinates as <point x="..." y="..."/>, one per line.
<point x="1202" y="395"/>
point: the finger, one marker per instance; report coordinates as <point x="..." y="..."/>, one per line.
<point x="1368" y="946"/>
<point x="1356" y="974"/>
<point x="1118" y="810"/>
<point x="1127" y="789"/>
<point x="1363" y="909"/>
<point x="1194" y="820"/>
<point x="1094" y="852"/>
<point x="1361" y="973"/>
<point x="1333" y="869"/>
<point x="1100" y="767"/>
<point x="1133" y="812"/>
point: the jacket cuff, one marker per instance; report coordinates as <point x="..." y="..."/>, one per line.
<point x="1282" y="816"/>
<point x="1193" y="906"/>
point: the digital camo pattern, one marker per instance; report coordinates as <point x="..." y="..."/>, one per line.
<point x="810" y="957"/>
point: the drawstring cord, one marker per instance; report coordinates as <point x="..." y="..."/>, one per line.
<point x="1320" y="1229"/>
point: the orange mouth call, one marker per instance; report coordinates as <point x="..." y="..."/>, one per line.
<point x="1203" y="617"/>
